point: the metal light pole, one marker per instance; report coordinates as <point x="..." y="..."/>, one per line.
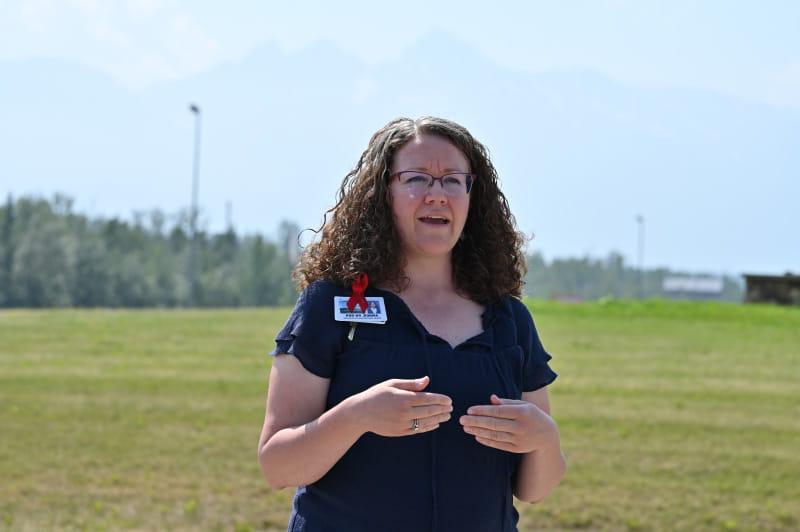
<point x="195" y="109"/>
<point x="640" y="254"/>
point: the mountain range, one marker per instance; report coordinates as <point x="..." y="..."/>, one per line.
<point x="580" y="155"/>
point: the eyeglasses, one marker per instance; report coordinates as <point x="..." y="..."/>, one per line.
<point x="454" y="185"/>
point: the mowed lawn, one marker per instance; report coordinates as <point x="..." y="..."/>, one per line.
<point x="673" y="416"/>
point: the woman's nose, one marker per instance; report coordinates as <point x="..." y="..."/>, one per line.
<point x="436" y="193"/>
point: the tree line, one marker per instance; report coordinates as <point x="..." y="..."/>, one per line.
<point x="51" y="256"/>
<point x="589" y="278"/>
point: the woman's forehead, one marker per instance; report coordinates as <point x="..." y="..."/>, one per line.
<point x="430" y="153"/>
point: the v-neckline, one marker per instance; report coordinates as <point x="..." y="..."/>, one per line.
<point x="485" y="315"/>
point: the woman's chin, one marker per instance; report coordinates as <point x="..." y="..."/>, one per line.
<point x="433" y="248"/>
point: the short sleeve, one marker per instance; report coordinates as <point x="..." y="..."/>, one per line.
<point x="536" y="372"/>
<point x="311" y="334"/>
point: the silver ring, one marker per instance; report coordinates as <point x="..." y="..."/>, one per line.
<point x="415" y="425"/>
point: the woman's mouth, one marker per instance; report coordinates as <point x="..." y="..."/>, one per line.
<point x="434" y="220"/>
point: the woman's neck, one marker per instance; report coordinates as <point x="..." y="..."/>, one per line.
<point x="430" y="275"/>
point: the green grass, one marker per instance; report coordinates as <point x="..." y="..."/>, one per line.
<point x="673" y="416"/>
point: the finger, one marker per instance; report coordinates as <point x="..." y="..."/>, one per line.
<point x="429" y="410"/>
<point x="435" y="420"/>
<point x="427" y="424"/>
<point x="422" y="430"/>
<point x="411" y="385"/>
<point x="504" y="411"/>
<point x="494" y="435"/>
<point x="490" y="423"/>
<point x="501" y="401"/>
<point x="504" y="446"/>
<point x="428" y="398"/>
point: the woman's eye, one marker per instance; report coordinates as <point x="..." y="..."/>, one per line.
<point x="452" y="181"/>
<point x="416" y="179"/>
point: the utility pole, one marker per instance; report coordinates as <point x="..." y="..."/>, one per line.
<point x="195" y="109"/>
<point x="640" y="254"/>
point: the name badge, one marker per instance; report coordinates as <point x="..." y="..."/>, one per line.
<point x="374" y="313"/>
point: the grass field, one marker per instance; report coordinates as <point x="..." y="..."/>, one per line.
<point x="673" y="416"/>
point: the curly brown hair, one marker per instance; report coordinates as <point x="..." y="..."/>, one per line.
<point x="360" y="236"/>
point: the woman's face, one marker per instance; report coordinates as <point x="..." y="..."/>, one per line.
<point x="418" y="216"/>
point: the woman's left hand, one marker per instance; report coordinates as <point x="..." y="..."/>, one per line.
<point x="510" y="425"/>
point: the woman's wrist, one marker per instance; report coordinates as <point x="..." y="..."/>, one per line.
<point x="351" y="415"/>
<point x="550" y="442"/>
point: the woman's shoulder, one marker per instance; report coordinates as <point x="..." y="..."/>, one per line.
<point x="322" y="288"/>
<point x="514" y="308"/>
<point x="515" y="319"/>
<point x="316" y="299"/>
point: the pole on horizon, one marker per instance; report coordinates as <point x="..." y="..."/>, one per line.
<point x="195" y="109"/>
<point x="640" y="254"/>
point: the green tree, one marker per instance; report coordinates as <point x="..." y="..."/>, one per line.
<point x="43" y="264"/>
<point x="7" y="253"/>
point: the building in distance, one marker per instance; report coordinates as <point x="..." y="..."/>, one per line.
<point x="691" y="287"/>
<point x="780" y="289"/>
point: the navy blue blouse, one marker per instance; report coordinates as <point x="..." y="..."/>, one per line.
<point x="442" y="480"/>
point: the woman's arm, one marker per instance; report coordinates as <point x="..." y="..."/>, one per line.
<point x="300" y="441"/>
<point x="542" y="469"/>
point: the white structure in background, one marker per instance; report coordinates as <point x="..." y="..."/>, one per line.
<point x="685" y="287"/>
<point x="288" y="236"/>
<point x="292" y="248"/>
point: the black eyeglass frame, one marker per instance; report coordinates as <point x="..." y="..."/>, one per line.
<point x="469" y="181"/>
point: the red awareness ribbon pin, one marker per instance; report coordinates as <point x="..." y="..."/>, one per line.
<point x="359" y="286"/>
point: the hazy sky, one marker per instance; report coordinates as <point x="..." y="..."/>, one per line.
<point x="743" y="50"/>
<point x="747" y="49"/>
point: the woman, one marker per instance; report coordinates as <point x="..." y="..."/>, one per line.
<point x="436" y="418"/>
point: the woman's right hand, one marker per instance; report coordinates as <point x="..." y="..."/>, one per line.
<point x="390" y="407"/>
